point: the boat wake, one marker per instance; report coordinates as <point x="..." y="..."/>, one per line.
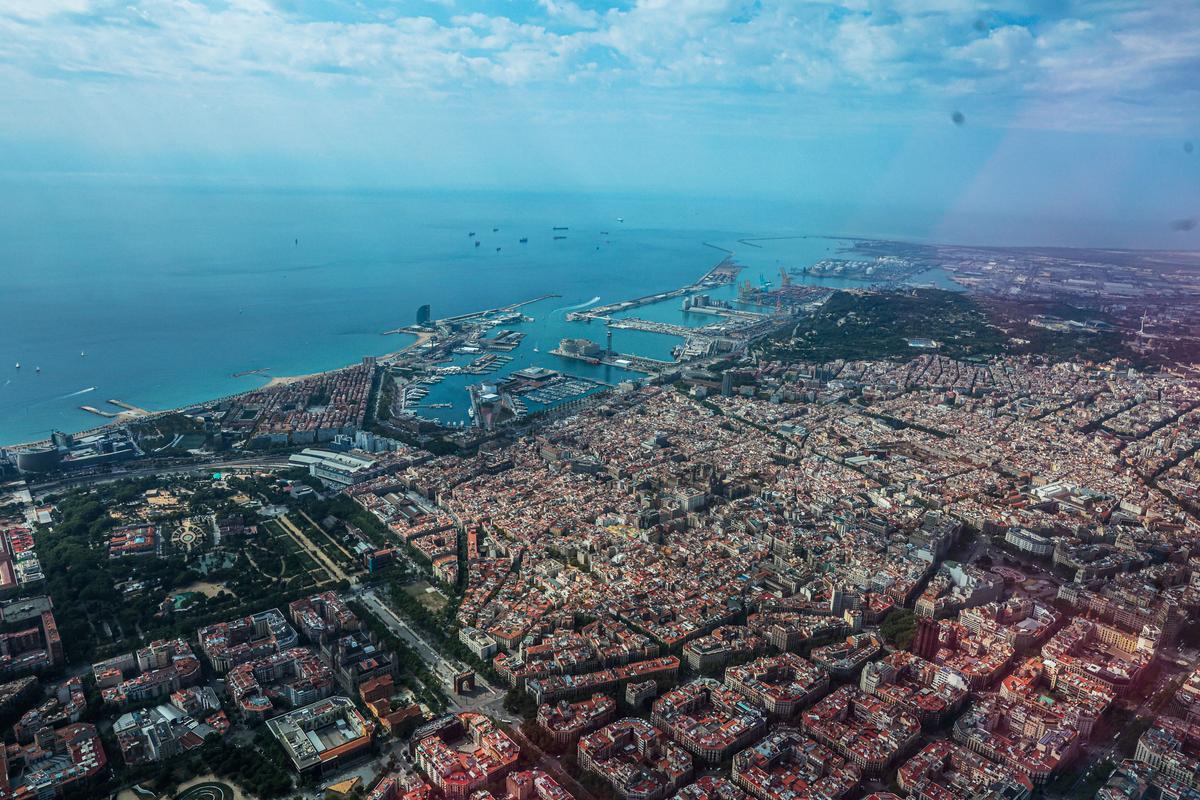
<point x="76" y="394"/>
<point x="591" y="302"/>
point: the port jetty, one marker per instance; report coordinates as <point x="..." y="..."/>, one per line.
<point x="724" y="272"/>
<point x="473" y="315"/>
<point x="643" y="364"/>
<point x="127" y="411"/>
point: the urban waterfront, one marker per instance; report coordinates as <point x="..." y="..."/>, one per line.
<point x="164" y="297"/>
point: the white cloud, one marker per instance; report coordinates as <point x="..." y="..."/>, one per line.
<point x="42" y="9"/>
<point x="569" y="13"/>
<point x="933" y="52"/>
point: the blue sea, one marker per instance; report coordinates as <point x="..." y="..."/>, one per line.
<point x="157" y="295"/>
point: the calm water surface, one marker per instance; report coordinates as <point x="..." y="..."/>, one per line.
<point x="156" y="296"/>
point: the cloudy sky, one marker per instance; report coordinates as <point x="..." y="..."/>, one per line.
<point x="1085" y="109"/>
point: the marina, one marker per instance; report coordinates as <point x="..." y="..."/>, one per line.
<point x="560" y="389"/>
<point x="486" y="364"/>
<point x="127" y="411"/>
<point x="454" y="352"/>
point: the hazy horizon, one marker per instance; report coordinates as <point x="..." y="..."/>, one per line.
<point x="757" y="216"/>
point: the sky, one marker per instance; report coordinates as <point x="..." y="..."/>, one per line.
<point x="1043" y="112"/>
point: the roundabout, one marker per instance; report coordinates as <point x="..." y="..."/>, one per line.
<point x="207" y="791"/>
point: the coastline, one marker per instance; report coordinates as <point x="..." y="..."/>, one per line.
<point x="614" y="279"/>
<point x="130" y="413"/>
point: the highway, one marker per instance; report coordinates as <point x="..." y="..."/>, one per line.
<point x="263" y="462"/>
